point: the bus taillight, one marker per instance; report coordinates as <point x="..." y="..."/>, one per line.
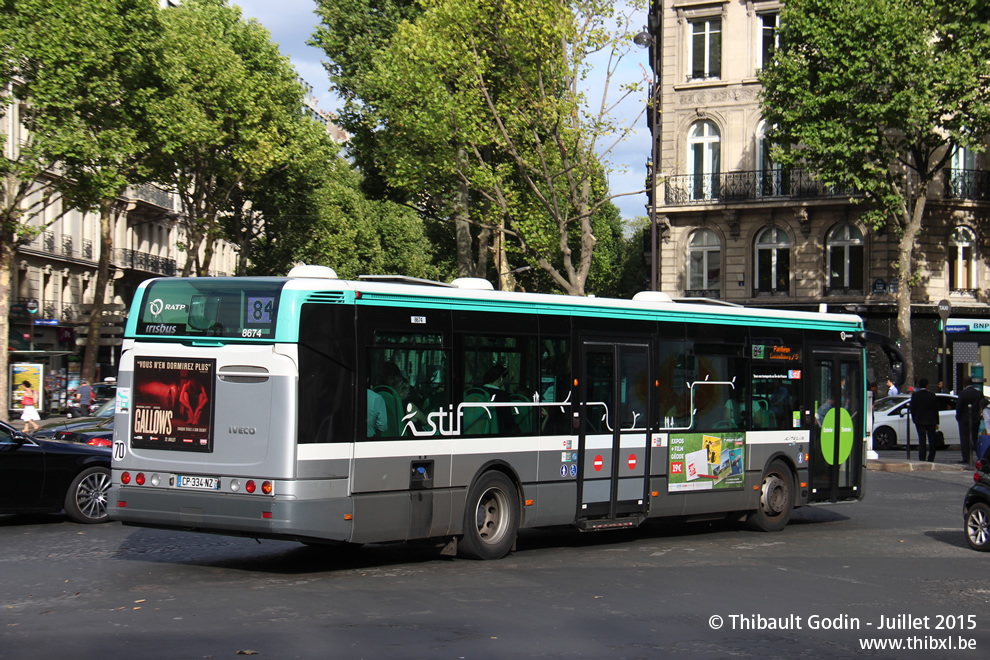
<point x="125" y="478"/>
<point x="266" y="488"/>
<point x="139" y="479"/>
<point x="250" y="486"/>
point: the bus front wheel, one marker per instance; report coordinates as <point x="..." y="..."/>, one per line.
<point x="776" y="499"/>
<point x="491" y="518"/>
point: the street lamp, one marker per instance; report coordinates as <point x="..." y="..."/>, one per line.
<point x="521" y="269"/>
<point x="645" y="39"/>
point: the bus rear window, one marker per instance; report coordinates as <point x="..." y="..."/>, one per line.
<point x="208" y="307"/>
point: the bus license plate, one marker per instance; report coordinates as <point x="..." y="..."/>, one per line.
<point x="204" y="483"/>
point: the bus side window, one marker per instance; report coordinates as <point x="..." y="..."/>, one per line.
<point x="555" y="385"/>
<point x="502" y="370"/>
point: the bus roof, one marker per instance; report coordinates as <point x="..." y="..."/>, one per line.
<point x="388" y="292"/>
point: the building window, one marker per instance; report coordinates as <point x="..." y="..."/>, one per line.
<point x="844" y="254"/>
<point x="706" y="48"/>
<point x="704" y="264"/>
<point x="769" y="38"/>
<point x="704" y="147"/>
<point x="963" y="174"/>
<point x="773" y="262"/>
<point x="772" y="179"/>
<point x="962" y="261"/>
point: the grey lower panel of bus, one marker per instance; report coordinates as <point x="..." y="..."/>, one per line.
<point x="236" y="514"/>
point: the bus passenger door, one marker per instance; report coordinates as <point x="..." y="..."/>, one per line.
<point x="837" y="411"/>
<point x="613" y="446"/>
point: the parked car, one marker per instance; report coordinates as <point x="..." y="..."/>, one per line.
<point x="104" y="391"/>
<point x="107" y="409"/>
<point x="44" y="475"/>
<point x="98" y="433"/>
<point x="976" y="508"/>
<point x="890" y="421"/>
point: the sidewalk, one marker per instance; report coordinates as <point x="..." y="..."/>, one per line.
<point x="896" y="460"/>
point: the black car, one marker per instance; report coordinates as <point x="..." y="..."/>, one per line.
<point x="107" y="409"/>
<point x="976" y="508"/>
<point x="98" y="432"/>
<point x="46" y="476"/>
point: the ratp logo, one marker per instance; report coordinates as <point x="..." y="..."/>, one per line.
<point x="157" y="307"/>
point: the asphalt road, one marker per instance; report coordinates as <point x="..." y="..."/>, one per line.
<point x="105" y="591"/>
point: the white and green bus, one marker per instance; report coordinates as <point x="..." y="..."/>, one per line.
<point x="320" y="410"/>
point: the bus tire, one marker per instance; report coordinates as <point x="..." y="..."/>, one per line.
<point x="491" y="518"/>
<point x="86" y="499"/>
<point x="776" y="499"/>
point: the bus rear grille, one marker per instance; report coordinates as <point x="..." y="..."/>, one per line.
<point x="326" y="297"/>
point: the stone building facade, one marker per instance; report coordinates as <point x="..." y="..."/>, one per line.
<point x="734" y="227"/>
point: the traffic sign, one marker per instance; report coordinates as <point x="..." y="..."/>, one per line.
<point x="944" y="309"/>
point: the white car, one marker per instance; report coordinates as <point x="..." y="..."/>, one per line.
<point x="890" y="421"/>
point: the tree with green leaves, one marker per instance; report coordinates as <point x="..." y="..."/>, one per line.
<point x="227" y="115"/>
<point x="877" y="96"/>
<point x="328" y="220"/>
<point x="82" y="100"/>
<point x="480" y="104"/>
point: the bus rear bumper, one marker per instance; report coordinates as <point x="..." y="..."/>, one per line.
<point x="239" y="515"/>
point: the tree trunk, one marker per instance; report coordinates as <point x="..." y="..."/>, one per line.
<point x="905" y="263"/>
<point x="6" y="263"/>
<point x="107" y="212"/>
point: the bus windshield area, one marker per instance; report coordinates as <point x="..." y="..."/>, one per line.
<point x="208" y="307"/>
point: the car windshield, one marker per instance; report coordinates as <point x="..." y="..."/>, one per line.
<point x="106" y="409"/>
<point x="889" y="402"/>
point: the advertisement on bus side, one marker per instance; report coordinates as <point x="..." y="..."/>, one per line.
<point x="705" y="461"/>
<point x="172" y="403"/>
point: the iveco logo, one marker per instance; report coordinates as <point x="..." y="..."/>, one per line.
<point x="243" y="430"/>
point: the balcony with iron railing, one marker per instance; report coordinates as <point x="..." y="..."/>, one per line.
<point x="967" y="185"/>
<point x="151" y="194"/>
<point x="758" y="185"/>
<point x="150" y="263"/>
<point x="777" y="185"/>
<point x="65" y="246"/>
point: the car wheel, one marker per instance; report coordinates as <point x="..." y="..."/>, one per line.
<point x="776" y="499"/>
<point x="977" y="530"/>
<point x="86" y="501"/>
<point x="491" y="518"/>
<point x="884" y="438"/>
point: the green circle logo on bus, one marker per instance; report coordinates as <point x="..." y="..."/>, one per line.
<point x="844" y="436"/>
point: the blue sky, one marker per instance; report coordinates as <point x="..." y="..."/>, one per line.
<point x="291" y="23"/>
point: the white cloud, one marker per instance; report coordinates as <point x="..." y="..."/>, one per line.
<point x="292" y="23"/>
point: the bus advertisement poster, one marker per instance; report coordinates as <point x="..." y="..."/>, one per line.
<point x="172" y="403"/>
<point x="705" y="461"/>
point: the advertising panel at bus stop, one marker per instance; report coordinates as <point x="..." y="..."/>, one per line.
<point x="172" y="404"/>
<point x="33" y="374"/>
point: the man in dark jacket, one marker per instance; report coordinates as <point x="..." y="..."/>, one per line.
<point x="924" y="410"/>
<point x="968" y="410"/>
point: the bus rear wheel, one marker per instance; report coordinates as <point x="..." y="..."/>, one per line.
<point x="776" y="499"/>
<point x="491" y="518"/>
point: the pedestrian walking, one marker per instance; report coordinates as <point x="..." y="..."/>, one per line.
<point x="924" y="410"/>
<point x="969" y="409"/>
<point x="891" y="388"/>
<point x="29" y="399"/>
